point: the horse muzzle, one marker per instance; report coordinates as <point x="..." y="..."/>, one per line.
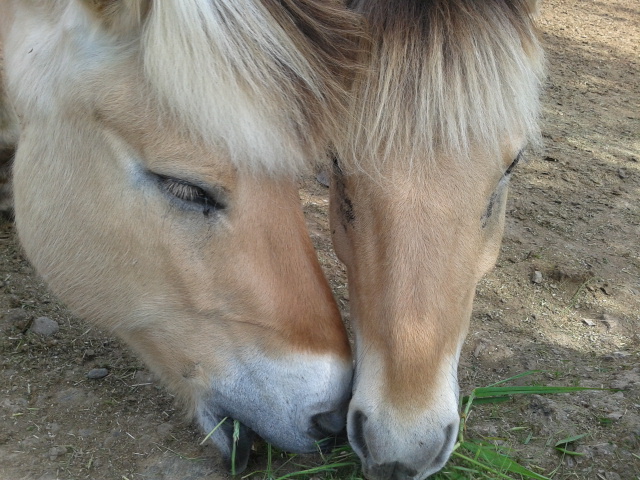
<point x="298" y="406"/>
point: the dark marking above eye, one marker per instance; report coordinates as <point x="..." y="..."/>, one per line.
<point x="514" y="163"/>
<point x="346" y="205"/>
<point x="497" y="193"/>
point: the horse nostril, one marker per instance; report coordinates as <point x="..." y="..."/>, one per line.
<point x="328" y="423"/>
<point x="356" y="437"/>
<point x="449" y="438"/>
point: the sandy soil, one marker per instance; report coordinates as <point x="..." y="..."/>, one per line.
<point x="573" y="216"/>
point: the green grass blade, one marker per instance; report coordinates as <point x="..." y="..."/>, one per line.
<point x="562" y="445"/>
<point x="269" y="461"/>
<point x="484" y="392"/>
<point x="499" y="461"/>
<point x="572" y="439"/>
<point x="213" y="431"/>
<point x="471" y="459"/>
<point x="236" y="438"/>
<point x="485" y="400"/>
<point x="515" y="377"/>
<point x="569" y="452"/>
<point x="480" y="465"/>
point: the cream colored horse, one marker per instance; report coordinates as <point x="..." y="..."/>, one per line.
<point x="155" y="192"/>
<point x="448" y="103"/>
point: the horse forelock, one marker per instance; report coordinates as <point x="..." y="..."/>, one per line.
<point x="265" y="81"/>
<point x="445" y="77"/>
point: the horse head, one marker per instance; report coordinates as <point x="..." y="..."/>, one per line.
<point x="156" y="194"/>
<point x="418" y="196"/>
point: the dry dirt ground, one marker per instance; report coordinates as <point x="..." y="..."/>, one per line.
<point x="573" y="216"/>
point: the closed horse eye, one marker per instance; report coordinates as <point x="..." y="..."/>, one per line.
<point x="191" y="194"/>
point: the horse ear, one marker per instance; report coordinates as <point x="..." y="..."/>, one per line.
<point x="120" y="16"/>
<point x="533" y="7"/>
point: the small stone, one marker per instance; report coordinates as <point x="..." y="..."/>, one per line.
<point x="536" y="277"/>
<point x="615" y="416"/>
<point x="622" y="173"/>
<point x="588" y="323"/>
<point x="45" y="326"/>
<point x="97" y="373"/>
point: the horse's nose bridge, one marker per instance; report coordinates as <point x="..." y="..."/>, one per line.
<point x="397" y="438"/>
<point x="280" y="269"/>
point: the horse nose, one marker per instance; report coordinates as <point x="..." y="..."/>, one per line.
<point x="328" y="423"/>
<point x="392" y="471"/>
<point x="417" y="468"/>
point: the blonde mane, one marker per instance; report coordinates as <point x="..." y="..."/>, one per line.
<point x="443" y="75"/>
<point x="265" y="81"/>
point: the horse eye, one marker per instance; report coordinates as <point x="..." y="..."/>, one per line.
<point x="191" y="194"/>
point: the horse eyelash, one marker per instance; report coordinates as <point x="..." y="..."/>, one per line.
<point x="191" y="193"/>
<point x="184" y="191"/>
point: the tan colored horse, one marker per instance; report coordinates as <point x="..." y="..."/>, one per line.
<point x="155" y="193"/>
<point x="417" y="209"/>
